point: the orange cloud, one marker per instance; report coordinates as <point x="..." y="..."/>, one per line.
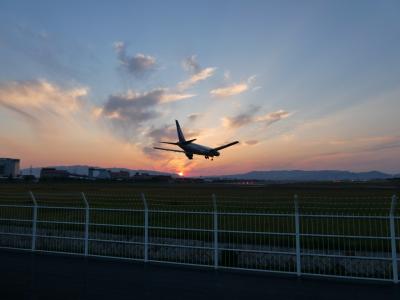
<point x="41" y="96"/>
<point x="231" y="90"/>
<point x="200" y="76"/>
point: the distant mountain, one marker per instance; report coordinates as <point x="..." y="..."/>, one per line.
<point x="300" y="175"/>
<point x="84" y="170"/>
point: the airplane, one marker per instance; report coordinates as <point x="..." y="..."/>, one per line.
<point x="190" y="148"/>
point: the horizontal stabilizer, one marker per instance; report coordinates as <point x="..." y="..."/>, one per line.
<point x="226" y="146"/>
<point x="170" y="143"/>
<point x="172" y="150"/>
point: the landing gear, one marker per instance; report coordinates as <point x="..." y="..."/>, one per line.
<point x="207" y="157"/>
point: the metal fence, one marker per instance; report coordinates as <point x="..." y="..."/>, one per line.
<point x="313" y="236"/>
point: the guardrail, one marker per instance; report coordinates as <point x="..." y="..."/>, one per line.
<point x="233" y="234"/>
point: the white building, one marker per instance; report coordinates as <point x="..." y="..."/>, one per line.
<point x="9" y="167"/>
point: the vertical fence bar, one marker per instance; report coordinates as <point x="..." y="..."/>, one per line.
<point x="146" y="228"/>
<point x="215" y="229"/>
<point x="34" y="221"/>
<point x="297" y="228"/>
<point x="393" y="238"/>
<point x="87" y="222"/>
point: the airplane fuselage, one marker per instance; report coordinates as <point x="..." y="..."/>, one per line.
<point x="194" y="148"/>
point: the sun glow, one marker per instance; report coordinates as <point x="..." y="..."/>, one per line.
<point x="180" y="173"/>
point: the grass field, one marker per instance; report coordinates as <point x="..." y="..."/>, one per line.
<point x="343" y="192"/>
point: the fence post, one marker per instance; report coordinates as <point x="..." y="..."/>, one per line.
<point x="34" y="220"/>
<point x="146" y="228"/>
<point x="393" y="238"/>
<point x="297" y="228"/>
<point x="87" y="222"/>
<point x="215" y="229"/>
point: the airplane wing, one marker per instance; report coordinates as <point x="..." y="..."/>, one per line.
<point x="226" y="146"/>
<point x="165" y="149"/>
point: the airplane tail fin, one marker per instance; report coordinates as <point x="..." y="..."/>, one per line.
<point x="180" y="133"/>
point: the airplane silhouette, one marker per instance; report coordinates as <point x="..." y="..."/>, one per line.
<point x="190" y="148"/>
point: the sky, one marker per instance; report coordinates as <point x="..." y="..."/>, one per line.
<point x="301" y="84"/>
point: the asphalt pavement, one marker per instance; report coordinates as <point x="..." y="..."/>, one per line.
<point x="25" y="275"/>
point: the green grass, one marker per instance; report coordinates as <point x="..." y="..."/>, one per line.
<point x="114" y="203"/>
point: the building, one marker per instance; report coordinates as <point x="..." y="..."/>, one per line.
<point x="9" y="167"/>
<point x="53" y="173"/>
<point x="99" y="172"/>
<point x="120" y="175"/>
<point x="189" y="180"/>
<point x="145" y="177"/>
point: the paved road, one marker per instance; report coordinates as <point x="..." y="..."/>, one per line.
<point x="43" y="276"/>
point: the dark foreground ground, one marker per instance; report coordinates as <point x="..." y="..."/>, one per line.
<point x="36" y="276"/>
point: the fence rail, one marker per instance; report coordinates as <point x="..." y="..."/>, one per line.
<point x="297" y="236"/>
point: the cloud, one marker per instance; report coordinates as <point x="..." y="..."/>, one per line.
<point x="154" y="154"/>
<point x="227" y="75"/>
<point x="48" y="124"/>
<point x="164" y="133"/>
<point x="273" y="117"/>
<point x="132" y="107"/>
<point x="237" y="121"/>
<point x="137" y="106"/>
<point x="251" y="142"/>
<point x="241" y="119"/>
<point x="38" y="100"/>
<point x="155" y="135"/>
<point x="250" y="117"/>
<point x="251" y="79"/>
<point x="137" y="65"/>
<point x="233" y="89"/>
<point x="200" y="76"/>
<point x="119" y="46"/>
<point x="128" y="111"/>
<point x="172" y="97"/>
<point x="193" y="117"/>
<point x="191" y="65"/>
<point x="167" y="132"/>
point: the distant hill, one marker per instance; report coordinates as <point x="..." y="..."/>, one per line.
<point x="300" y="175"/>
<point x="84" y="170"/>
